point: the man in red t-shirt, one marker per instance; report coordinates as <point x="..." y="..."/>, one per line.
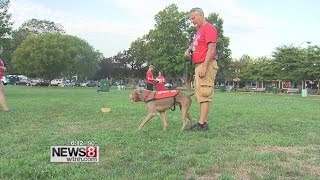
<point x="149" y="78"/>
<point x="2" y="98"/>
<point x="203" y="52"/>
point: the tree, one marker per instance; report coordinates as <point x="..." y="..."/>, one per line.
<point x="294" y="63"/>
<point x="288" y="62"/>
<point x="107" y="69"/>
<point x="311" y="64"/>
<point x="138" y="58"/>
<point x="122" y="59"/>
<point x="117" y="66"/>
<point x="85" y="61"/>
<point x="5" y="20"/>
<point x="138" y="51"/>
<point x="34" y="26"/>
<point x="238" y="66"/>
<point x="266" y="66"/>
<point x="126" y="64"/>
<point x="5" y="29"/>
<point x="39" y="27"/>
<point x="168" y="41"/>
<point x="260" y="69"/>
<point x="223" y="51"/>
<point x="53" y="55"/>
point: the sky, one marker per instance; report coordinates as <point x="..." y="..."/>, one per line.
<point x="255" y="27"/>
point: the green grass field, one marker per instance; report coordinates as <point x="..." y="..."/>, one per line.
<point x="251" y="136"/>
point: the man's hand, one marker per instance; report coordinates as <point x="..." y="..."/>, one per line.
<point x="203" y="70"/>
<point x="209" y="57"/>
<point x="3" y="69"/>
<point x="151" y="79"/>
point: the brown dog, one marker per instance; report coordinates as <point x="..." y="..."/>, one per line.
<point x="163" y="104"/>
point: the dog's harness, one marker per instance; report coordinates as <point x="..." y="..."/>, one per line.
<point x="146" y="96"/>
<point x="157" y="96"/>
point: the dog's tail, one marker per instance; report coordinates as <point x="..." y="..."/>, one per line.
<point x="190" y="94"/>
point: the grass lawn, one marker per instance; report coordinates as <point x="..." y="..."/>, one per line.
<point x="251" y="136"/>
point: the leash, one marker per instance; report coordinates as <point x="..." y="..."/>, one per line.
<point x="173" y="108"/>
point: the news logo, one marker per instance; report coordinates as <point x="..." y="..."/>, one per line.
<point x="74" y="154"/>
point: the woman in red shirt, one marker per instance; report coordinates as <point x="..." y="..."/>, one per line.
<point x="160" y="82"/>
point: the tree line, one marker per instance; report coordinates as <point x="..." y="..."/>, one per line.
<point x="42" y="49"/>
<point x="287" y="63"/>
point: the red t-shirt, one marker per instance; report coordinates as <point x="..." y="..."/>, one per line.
<point x="205" y="34"/>
<point x="149" y="75"/>
<point x="160" y="87"/>
<point x="160" y="83"/>
<point x="1" y="72"/>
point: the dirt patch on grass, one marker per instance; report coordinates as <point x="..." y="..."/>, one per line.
<point x="242" y="170"/>
<point x="267" y="161"/>
<point x="312" y="170"/>
<point x="214" y="176"/>
<point x="293" y="150"/>
<point x="248" y="170"/>
<point x="191" y="174"/>
<point x="302" y="160"/>
<point x="65" y="128"/>
<point x="74" y="128"/>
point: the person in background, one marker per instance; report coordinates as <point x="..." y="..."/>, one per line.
<point x="2" y="98"/>
<point x="160" y="82"/>
<point x="149" y="78"/>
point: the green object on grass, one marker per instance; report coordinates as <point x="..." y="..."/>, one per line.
<point x="104" y="85"/>
<point x="223" y="88"/>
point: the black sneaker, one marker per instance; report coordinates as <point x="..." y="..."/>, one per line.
<point x="206" y="126"/>
<point x="199" y="127"/>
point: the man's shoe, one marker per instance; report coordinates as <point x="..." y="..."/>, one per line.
<point x="206" y="126"/>
<point x="9" y="110"/>
<point x="199" y="127"/>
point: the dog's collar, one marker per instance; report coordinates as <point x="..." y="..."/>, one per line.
<point x="147" y="95"/>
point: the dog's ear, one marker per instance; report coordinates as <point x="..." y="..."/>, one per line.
<point x="136" y="97"/>
<point x="139" y="91"/>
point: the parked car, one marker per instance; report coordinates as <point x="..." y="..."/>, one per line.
<point x="33" y="82"/>
<point x="77" y="84"/>
<point x="89" y="83"/>
<point x="40" y="83"/>
<point x="57" y="82"/>
<point x="142" y="84"/>
<point x="168" y="86"/>
<point x="44" y="83"/>
<point x="67" y="84"/>
<point x="24" y="82"/>
<point x="4" y="80"/>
